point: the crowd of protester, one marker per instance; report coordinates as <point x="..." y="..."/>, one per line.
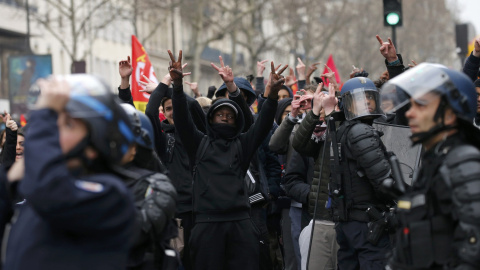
<point x="207" y="182"/>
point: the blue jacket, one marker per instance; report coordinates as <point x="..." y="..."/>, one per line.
<point x="67" y="222"/>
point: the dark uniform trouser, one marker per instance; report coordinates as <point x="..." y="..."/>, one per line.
<point x="187" y="224"/>
<point x="225" y="245"/>
<point x="356" y="252"/>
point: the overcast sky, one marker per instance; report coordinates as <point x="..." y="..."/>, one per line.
<point x="469" y="12"/>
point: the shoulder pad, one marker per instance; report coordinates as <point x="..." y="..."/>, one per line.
<point x="461" y="154"/>
<point x="461" y="165"/>
<point x="361" y="131"/>
<point x="160" y="182"/>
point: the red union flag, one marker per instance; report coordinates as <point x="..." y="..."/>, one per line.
<point x="141" y="66"/>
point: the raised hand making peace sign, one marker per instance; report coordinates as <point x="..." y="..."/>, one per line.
<point x="275" y="82"/>
<point x="176" y="69"/>
<point x="226" y="74"/>
<point x="224" y="71"/>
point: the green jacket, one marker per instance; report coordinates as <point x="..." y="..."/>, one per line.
<point x="302" y="142"/>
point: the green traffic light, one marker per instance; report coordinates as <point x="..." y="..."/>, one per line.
<point x="393" y="18"/>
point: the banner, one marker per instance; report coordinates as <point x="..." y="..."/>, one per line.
<point x="23" y="71"/>
<point x="331" y="65"/>
<point x="141" y="66"/>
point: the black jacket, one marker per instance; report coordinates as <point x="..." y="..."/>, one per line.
<point x="298" y="177"/>
<point x="303" y="143"/>
<point x="219" y="193"/>
<point x="440" y="210"/>
<point x="151" y="235"/>
<point x="297" y="183"/>
<point x="9" y="152"/>
<point x="168" y="144"/>
<point x="471" y="66"/>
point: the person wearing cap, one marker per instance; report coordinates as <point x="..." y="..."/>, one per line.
<point x="224" y="236"/>
<point x="77" y="212"/>
<point x="265" y="171"/>
<point x="246" y="93"/>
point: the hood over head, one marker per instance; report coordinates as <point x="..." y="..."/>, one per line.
<point x="477" y="83"/>
<point x="290" y="92"/>
<point x="214" y="131"/>
<point x="242" y="84"/>
<point x="282" y="105"/>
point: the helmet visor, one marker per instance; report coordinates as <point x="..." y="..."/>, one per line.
<point x="361" y="102"/>
<point x="414" y="83"/>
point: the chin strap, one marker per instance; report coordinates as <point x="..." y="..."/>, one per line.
<point x="422" y="137"/>
<point x="78" y="150"/>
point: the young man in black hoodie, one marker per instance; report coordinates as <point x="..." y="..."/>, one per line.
<point x="224" y="237"/>
<point x="168" y="145"/>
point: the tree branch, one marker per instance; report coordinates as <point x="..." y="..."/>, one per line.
<point x="56" y="36"/>
<point x="60" y="6"/>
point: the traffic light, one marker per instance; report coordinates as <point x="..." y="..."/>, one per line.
<point x="392" y="12"/>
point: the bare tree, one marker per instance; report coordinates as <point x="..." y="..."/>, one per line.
<point x="314" y="25"/>
<point x="254" y="37"/>
<point x="208" y="21"/>
<point x="149" y="13"/>
<point x="69" y="21"/>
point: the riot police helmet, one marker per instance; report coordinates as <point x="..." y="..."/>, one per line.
<point x="426" y="81"/>
<point x="142" y="127"/>
<point x="360" y="99"/>
<point x="110" y="131"/>
<point x="457" y="89"/>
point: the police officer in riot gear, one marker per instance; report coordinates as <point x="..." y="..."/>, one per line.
<point x="77" y="213"/>
<point x="439" y="214"/>
<point x="154" y="196"/>
<point x="359" y="166"/>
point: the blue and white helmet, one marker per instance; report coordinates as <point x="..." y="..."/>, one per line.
<point x="91" y="100"/>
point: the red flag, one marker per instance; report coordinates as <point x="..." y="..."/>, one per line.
<point x="331" y="65"/>
<point x="141" y="66"/>
<point x="295" y="86"/>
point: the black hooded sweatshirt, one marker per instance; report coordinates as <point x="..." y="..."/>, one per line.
<point x="170" y="148"/>
<point x="219" y="188"/>
<point x="168" y="144"/>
